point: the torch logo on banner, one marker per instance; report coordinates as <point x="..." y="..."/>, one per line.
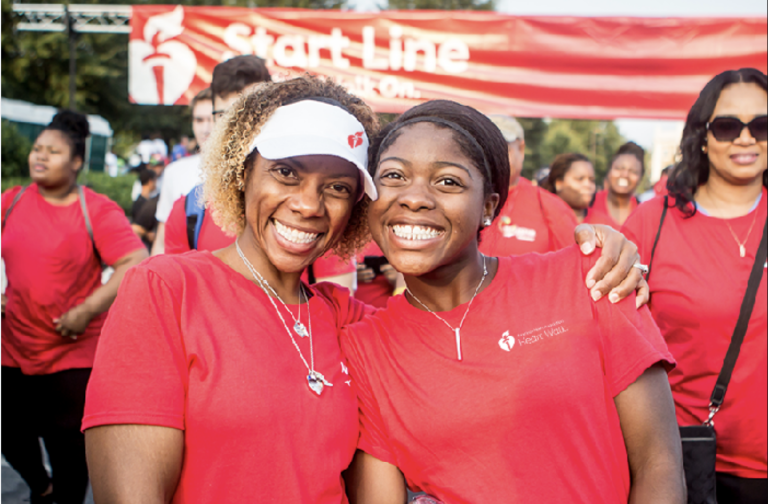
<point x="161" y="69"/>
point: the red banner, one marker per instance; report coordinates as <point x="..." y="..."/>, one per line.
<point x="527" y="66"/>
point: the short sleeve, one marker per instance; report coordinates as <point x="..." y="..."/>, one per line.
<point x="631" y="342"/>
<point x="112" y="232"/>
<point x="139" y="374"/>
<point x="373" y="438"/>
<point x="176" y="241"/>
<point x="7" y="199"/>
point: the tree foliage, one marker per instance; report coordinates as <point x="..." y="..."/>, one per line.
<point x="15" y="149"/>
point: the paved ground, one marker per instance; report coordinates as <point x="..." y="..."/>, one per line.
<point x="15" y="491"/>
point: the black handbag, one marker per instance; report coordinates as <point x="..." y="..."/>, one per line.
<point x="700" y="441"/>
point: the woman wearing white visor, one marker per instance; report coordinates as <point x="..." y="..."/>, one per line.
<point x="219" y="376"/>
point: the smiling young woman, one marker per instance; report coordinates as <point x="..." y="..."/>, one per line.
<point x="706" y="248"/>
<point x="616" y="203"/>
<point x="232" y="386"/>
<point x="496" y="379"/>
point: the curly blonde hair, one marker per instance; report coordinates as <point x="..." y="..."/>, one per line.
<point x="227" y="151"/>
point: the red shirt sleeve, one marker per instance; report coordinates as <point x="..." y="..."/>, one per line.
<point x="373" y="437"/>
<point x="139" y="373"/>
<point x="112" y="233"/>
<point x="630" y="338"/>
<point x="176" y="241"/>
<point x="560" y="220"/>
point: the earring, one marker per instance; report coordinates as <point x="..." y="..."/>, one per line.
<point x="704" y="149"/>
<point x="487" y="222"/>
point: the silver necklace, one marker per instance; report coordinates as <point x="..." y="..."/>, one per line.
<point x="298" y="327"/>
<point x="456" y="330"/>
<point x="315" y="380"/>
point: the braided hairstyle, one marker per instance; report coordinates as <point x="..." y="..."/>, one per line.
<point x="693" y="170"/>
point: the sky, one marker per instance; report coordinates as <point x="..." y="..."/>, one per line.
<point x="641" y="131"/>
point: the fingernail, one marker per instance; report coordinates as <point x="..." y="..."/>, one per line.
<point x="613" y="297"/>
<point x="637" y="303"/>
<point x="590" y="283"/>
<point x="587" y="248"/>
<point x="596" y="295"/>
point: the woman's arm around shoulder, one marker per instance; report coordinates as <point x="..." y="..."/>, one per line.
<point x="371" y="481"/>
<point x="134" y="464"/>
<point x="647" y="414"/>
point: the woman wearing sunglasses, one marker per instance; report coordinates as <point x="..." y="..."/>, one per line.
<point x="699" y="272"/>
<point x="496" y="379"/>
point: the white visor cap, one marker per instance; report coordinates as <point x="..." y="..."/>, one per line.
<point x="311" y="127"/>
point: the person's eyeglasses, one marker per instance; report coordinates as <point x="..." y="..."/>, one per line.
<point x="728" y="129"/>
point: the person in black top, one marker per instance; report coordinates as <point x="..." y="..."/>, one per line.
<point x="143" y="210"/>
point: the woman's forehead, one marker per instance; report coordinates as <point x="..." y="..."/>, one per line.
<point x="424" y="140"/>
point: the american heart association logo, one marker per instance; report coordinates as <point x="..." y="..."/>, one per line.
<point x="355" y="140"/>
<point x="161" y="69"/>
<point x="507" y="342"/>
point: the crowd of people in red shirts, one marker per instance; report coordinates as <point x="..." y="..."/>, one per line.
<point x="465" y="351"/>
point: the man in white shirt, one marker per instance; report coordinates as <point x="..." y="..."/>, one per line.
<point x="182" y="175"/>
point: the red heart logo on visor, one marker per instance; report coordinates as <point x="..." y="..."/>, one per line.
<point x="356" y="140"/>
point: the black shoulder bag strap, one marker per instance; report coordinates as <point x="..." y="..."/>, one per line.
<point x="88" y="227"/>
<point x="658" y="234"/>
<point x="13" y="204"/>
<point x="748" y="303"/>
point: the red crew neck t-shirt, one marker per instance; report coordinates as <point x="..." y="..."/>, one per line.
<point x="528" y="415"/>
<point x="697" y="282"/>
<point x="51" y="268"/>
<point x="212" y="238"/>
<point x="193" y="345"/>
<point x="532" y="220"/>
<point x="598" y="213"/>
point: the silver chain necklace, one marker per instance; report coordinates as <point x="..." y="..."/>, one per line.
<point x="315" y="380"/>
<point x="456" y="330"/>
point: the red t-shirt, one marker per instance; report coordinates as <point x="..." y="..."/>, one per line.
<point x="191" y="344"/>
<point x="532" y="220"/>
<point x="598" y="213"/>
<point x="528" y="415"/>
<point x="212" y="237"/>
<point x="51" y="268"/>
<point x="377" y="292"/>
<point x="698" y="281"/>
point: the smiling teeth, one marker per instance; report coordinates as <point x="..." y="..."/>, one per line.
<point x="416" y="232"/>
<point x="294" y="235"/>
<point x="623" y="182"/>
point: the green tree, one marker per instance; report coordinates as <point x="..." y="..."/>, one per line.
<point x="15" y="150"/>
<point x="598" y="140"/>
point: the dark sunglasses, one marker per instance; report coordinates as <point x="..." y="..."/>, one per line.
<point x="728" y="129"/>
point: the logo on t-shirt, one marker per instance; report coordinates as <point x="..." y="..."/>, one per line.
<point x="345" y="370"/>
<point x="509" y="230"/>
<point x="507" y="342"/>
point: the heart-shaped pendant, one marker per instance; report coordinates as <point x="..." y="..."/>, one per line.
<point x="300" y="329"/>
<point x="315" y="384"/>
